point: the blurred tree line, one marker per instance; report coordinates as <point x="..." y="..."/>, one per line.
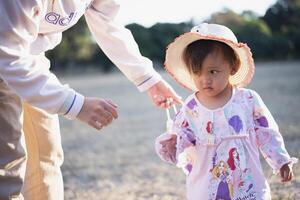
<point x="274" y="36"/>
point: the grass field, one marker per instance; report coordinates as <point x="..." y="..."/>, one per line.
<point x="119" y="162"/>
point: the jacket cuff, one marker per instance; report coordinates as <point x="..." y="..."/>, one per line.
<point x="147" y="81"/>
<point x="72" y="105"/>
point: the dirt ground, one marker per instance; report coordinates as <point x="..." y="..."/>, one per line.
<point x="119" y="162"/>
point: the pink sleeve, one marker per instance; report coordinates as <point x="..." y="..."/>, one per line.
<point x="269" y="139"/>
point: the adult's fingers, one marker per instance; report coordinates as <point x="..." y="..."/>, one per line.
<point x="111" y="108"/>
<point x="177" y="99"/>
<point x="158" y="100"/>
<point x="105" y="117"/>
<point x="112" y="103"/>
<point x="165" y="102"/>
<point x="170" y="92"/>
<point x="95" y="124"/>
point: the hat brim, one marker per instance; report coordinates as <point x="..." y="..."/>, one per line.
<point x="175" y="65"/>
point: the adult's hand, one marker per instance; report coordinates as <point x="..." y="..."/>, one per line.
<point x="163" y="95"/>
<point x="97" y="112"/>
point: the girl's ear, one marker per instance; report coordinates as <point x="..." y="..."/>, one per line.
<point x="235" y="67"/>
<point x="233" y="71"/>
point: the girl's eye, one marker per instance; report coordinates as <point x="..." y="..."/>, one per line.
<point x="214" y="71"/>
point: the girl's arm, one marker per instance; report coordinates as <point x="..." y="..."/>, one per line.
<point x="269" y="139"/>
<point x="173" y="146"/>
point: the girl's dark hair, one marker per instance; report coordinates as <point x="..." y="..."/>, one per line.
<point x="195" y="53"/>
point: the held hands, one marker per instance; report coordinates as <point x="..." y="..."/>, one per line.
<point x="286" y="173"/>
<point x="161" y="93"/>
<point x="168" y="149"/>
<point x="97" y="112"/>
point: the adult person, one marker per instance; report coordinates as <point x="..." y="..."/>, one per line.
<point x="31" y="96"/>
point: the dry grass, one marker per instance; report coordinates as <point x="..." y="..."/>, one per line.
<point x="119" y="163"/>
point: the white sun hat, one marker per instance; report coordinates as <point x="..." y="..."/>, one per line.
<point x="175" y="65"/>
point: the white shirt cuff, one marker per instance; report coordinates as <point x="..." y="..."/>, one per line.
<point x="75" y="106"/>
<point x="149" y="82"/>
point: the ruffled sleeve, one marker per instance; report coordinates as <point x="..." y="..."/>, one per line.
<point x="268" y="137"/>
<point x="185" y="141"/>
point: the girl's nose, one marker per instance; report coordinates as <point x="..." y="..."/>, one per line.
<point x="206" y="79"/>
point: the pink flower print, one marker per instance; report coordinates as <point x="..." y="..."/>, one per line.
<point x="236" y="123"/>
<point x="209" y="127"/>
<point x="185" y="124"/>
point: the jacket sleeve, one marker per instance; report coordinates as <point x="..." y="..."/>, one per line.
<point x="119" y="45"/>
<point x="269" y="139"/>
<point x="26" y="74"/>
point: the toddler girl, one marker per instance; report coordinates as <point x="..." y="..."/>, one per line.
<point x="217" y="134"/>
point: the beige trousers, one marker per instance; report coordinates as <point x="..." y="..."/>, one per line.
<point x="30" y="151"/>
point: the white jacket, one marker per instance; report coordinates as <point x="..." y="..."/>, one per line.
<point x="28" y="28"/>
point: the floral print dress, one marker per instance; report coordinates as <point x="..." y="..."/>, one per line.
<point x="219" y="149"/>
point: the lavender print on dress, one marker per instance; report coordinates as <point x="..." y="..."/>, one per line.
<point x="223" y="189"/>
<point x="236" y="123"/>
<point x="189" y="167"/>
<point x="262" y="121"/>
<point x="249" y="187"/>
<point x="192" y="104"/>
<point x="187" y="138"/>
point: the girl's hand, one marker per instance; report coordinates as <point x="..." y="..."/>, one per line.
<point x="286" y="173"/>
<point x="168" y="149"/>
<point x="97" y="112"/>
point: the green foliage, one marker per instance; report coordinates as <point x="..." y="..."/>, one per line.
<point x="283" y="18"/>
<point x="77" y="48"/>
<point x="276" y="35"/>
<point x="227" y="18"/>
<point x="153" y="41"/>
<point x="283" y="15"/>
<point x="273" y="36"/>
